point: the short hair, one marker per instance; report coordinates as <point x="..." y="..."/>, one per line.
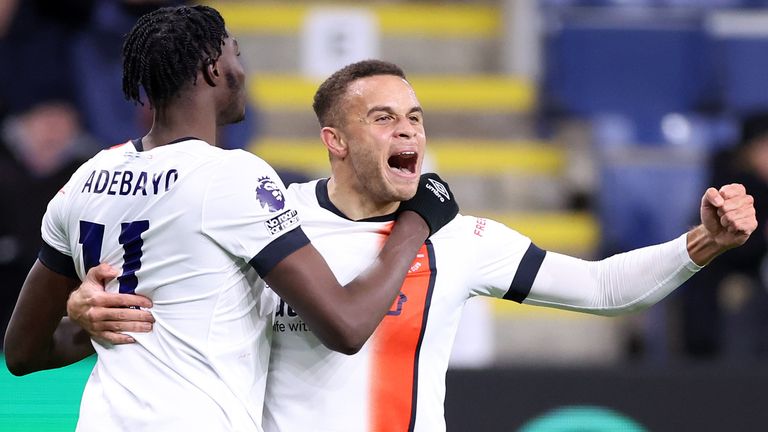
<point x="332" y="90"/>
<point x="166" y="49"/>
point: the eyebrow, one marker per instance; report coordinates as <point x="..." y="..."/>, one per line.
<point x="389" y="110"/>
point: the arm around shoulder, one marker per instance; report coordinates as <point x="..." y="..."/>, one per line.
<point x="344" y="317"/>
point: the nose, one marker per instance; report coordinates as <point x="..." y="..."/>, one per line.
<point x="404" y="128"/>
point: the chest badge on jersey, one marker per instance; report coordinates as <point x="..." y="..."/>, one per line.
<point x="269" y="194"/>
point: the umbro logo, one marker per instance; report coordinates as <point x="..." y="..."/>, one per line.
<point x="439" y="190"/>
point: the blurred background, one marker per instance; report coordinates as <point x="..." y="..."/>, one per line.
<point x="592" y="126"/>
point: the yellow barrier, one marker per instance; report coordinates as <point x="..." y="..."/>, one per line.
<point x="435" y="20"/>
<point x="566" y="232"/>
<point x="436" y="93"/>
<point x="452" y="156"/>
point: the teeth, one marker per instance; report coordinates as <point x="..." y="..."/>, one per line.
<point x="407" y="153"/>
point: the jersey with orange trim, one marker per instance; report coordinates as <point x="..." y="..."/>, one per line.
<point x="397" y="381"/>
<point x="183" y="222"/>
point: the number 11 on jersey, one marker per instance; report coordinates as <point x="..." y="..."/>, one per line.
<point x="92" y="237"/>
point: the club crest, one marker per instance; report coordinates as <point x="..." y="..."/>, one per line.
<point x="269" y="194"/>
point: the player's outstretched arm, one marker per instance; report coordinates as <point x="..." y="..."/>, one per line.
<point x="727" y="220"/>
<point x="105" y="316"/>
<point x="344" y="317"/>
<point x="637" y="279"/>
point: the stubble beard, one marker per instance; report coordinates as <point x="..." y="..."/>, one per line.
<point x="373" y="182"/>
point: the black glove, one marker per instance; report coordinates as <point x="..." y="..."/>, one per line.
<point x="433" y="201"/>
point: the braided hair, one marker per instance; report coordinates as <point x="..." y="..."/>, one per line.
<point x="166" y="48"/>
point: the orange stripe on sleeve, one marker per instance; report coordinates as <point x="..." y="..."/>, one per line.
<point x="395" y="349"/>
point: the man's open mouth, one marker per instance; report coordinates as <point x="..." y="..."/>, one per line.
<point x="404" y="162"/>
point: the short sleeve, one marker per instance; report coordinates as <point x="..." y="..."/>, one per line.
<point x="506" y="262"/>
<point x="56" y="253"/>
<point x="246" y="213"/>
<point x="53" y="228"/>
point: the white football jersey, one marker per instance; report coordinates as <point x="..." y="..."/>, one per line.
<point x="397" y="381"/>
<point x="187" y="223"/>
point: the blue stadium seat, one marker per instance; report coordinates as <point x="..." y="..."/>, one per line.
<point x="743" y="73"/>
<point x="638" y="65"/>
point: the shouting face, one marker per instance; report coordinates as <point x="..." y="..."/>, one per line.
<point x="382" y="125"/>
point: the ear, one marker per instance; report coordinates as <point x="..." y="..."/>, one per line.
<point x="210" y="72"/>
<point x="334" y="142"/>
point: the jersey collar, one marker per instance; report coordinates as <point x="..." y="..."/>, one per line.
<point x="139" y="144"/>
<point x="321" y="191"/>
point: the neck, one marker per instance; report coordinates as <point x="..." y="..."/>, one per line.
<point x="179" y="120"/>
<point x="351" y="199"/>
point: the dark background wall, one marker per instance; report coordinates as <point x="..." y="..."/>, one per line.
<point x="670" y="399"/>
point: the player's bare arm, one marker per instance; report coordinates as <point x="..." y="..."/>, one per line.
<point x="39" y="338"/>
<point x="344" y="317"/>
<point x="36" y="337"/>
